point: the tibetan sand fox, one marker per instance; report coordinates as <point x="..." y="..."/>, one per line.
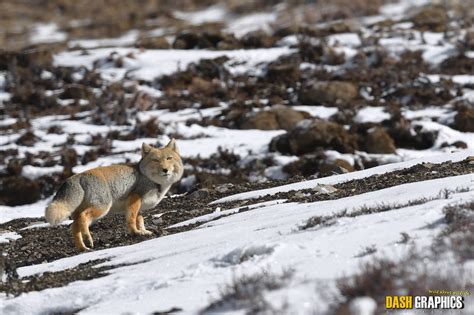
<point x="127" y="189"/>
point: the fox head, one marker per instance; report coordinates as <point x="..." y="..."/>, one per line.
<point x="162" y="165"/>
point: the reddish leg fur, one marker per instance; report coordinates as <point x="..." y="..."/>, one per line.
<point x="135" y="222"/>
<point x="80" y="226"/>
<point x="134" y="203"/>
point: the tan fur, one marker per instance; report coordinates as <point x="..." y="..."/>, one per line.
<point x="107" y="173"/>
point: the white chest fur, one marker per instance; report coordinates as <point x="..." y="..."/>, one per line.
<point x="153" y="197"/>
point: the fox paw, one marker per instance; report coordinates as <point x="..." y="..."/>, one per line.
<point x="140" y="232"/>
<point x="146" y="232"/>
<point x="84" y="249"/>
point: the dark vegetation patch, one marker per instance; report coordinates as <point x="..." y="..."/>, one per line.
<point x="324" y="221"/>
<point x="246" y="293"/>
<point x="459" y="233"/>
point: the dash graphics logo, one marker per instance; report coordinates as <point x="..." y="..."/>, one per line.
<point x="437" y="299"/>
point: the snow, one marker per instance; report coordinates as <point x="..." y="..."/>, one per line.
<point x="33" y="172"/>
<point x="214" y="137"/>
<point x="251" y="22"/>
<point x="427" y="112"/>
<point x="187" y="269"/>
<point x="371" y="115"/>
<point x="127" y="39"/>
<point x="46" y="33"/>
<point x="153" y="63"/>
<point x="332" y="180"/>
<point x="211" y="14"/>
<point x="345" y="39"/>
<point x="34" y="210"/>
<point x="8" y="236"/>
<point x="462" y="79"/>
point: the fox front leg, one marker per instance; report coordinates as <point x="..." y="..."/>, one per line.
<point x="141" y="226"/>
<point x="135" y="222"/>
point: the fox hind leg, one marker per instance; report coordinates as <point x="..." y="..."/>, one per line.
<point x="80" y="227"/>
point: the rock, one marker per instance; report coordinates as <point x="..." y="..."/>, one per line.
<point x="469" y="40"/>
<point x="283" y="73"/>
<point x="75" y="91"/>
<point x="324" y="189"/>
<point x="456" y="144"/>
<point x="258" y="39"/>
<point x="287" y="117"/>
<point x="224" y="187"/>
<point x="205" y="87"/>
<point x="27" y="139"/>
<point x="434" y="18"/>
<point x="200" y="193"/>
<point x="329" y="93"/>
<point x="27" y="58"/>
<point x="411" y="137"/>
<point x="464" y="119"/>
<point x="263" y="120"/>
<point x="306" y="165"/>
<point x="337" y="166"/>
<point x="203" y="40"/>
<point x="378" y="140"/>
<point x="18" y="190"/>
<point x="68" y="160"/>
<point x="14" y="167"/>
<point x="153" y="43"/>
<point x="279" y="117"/>
<point x="317" y="134"/>
<point x="186" y="40"/>
<point x="281" y="144"/>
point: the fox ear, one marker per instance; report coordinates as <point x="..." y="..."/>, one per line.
<point x="146" y="149"/>
<point x="172" y="145"/>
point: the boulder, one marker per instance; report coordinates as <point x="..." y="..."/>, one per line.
<point x="258" y="39"/>
<point x="329" y="93"/>
<point x="75" y="91"/>
<point x="159" y="42"/>
<point x="283" y="73"/>
<point x="279" y="117"/>
<point x="464" y="119"/>
<point x="18" y="190"/>
<point x="263" y="120"/>
<point x="433" y="18"/>
<point x="287" y="117"/>
<point x="337" y="166"/>
<point x="378" y="140"/>
<point x="310" y="136"/>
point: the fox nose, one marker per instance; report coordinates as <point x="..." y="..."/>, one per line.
<point x="165" y="170"/>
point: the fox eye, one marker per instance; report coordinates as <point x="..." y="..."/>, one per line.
<point x="169" y="158"/>
<point x="155" y="160"/>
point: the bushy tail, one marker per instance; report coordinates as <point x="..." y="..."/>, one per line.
<point x="57" y="212"/>
<point x="67" y="199"/>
